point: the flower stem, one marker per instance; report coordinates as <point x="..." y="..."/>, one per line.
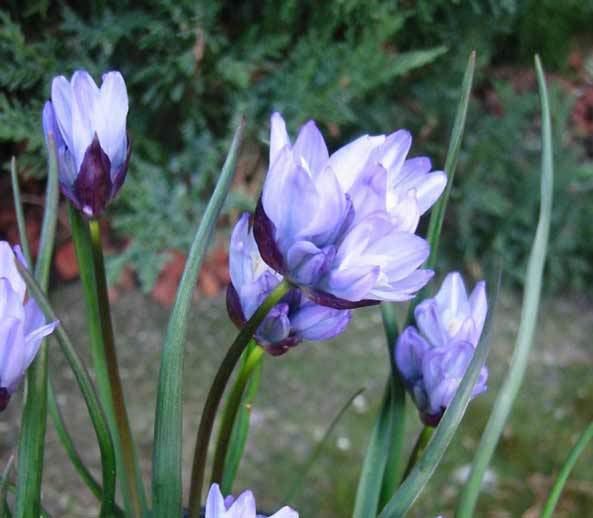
<point x="421" y="443"/>
<point x="217" y="390"/>
<point x="131" y="474"/>
<point x="252" y="360"/>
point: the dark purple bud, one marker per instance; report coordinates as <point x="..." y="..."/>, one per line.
<point x="92" y="187"/>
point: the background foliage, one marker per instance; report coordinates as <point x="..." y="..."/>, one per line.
<point x="192" y="66"/>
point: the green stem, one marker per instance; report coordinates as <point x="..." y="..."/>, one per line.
<point x="102" y="350"/>
<point x="217" y="390"/>
<point x="131" y="473"/>
<point x="108" y="507"/>
<point x="421" y="444"/>
<point x="573" y="456"/>
<point x="252" y="360"/>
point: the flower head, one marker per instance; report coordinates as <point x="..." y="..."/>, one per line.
<point x="88" y="125"/>
<point x="22" y="326"/>
<point x="433" y="356"/>
<point x="289" y="322"/>
<point x="342" y="226"/>
<point x="242" y="507"/>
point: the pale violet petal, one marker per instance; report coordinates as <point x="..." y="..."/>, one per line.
<point x="9" y="271"/>
<point x="85" y="96"/>
<point x="349" y="161"/>
<point x="310" y="149"/>
<point x="61" y="98"/>
<point x="215" y="507"/>
<point x="111" y="110"/>
<point x="278" y="137"/>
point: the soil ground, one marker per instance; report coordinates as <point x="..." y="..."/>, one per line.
<point x="301" y="392"/>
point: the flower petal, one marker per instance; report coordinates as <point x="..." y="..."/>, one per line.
<point x="85" y="96"/>
<point x="111" y="110"/>
<point x="310" y="150"/>
<point x="278" y="137"/>
<point x="61" y="98"/>
<point x="9" y="271"/>
<point x="314" y="322"/>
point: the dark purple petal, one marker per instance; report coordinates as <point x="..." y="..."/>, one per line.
<point x="432" y="420"/>
<point x="4" y="398"/>
<point x="233" y="306"/>
<point x="119" y="175"/>
<point x="280" y="348"/>
<point x="265" y="233"/>
<point x="92" y="187"/>
<point x="327" y="299"/>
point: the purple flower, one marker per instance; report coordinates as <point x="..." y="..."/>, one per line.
<point x="433" y="357"/>
<point x="242" y="507"/>
<point x="22" y="326"/>
<point x="289" y="322"/>
<point x="89" y="128"/>
<point x="342" y="226"/>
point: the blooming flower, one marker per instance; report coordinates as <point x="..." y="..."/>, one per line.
<point x="342" y="226"/>
<point x="242" y="507"/>
<point x="434" y="356"/>
<point x="289" y="322"/>
<point x="89" y="129"/>
<point x="22" y="326"/>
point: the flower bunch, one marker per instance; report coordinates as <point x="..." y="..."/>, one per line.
<point x="342" y="227"/>
<point x="433" y="356"/>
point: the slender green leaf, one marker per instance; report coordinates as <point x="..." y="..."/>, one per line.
<point x="34" y="418"/>
<point x="98" y="418"/>
<point x="571" y="460"/>
<point x="18" y="208"/>
<point x="68" y="443"/>
<point x="531" y="300"/>
<point x="373" y="467"/>
<point x="437" y="216"/>
<point x="299" y="480"/>
<point x="166" y="473"/>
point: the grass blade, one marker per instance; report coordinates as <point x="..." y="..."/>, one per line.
<point x="437" y="215"/>
<point x="68" y="443"/>
<point x="166" y="477"/>
<point x="375" y="460"/>
<point x="531" y="299"/>
<point x="34" y="419"/>
<point x="4" y="487"/>
<point x="300" y="478"/>
<point x="18" y="209"/>
<point x="571" y="460"/>
<point x="99" y="421"/>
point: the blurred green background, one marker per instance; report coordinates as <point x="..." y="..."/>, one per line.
<point x="356" y="67"/>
